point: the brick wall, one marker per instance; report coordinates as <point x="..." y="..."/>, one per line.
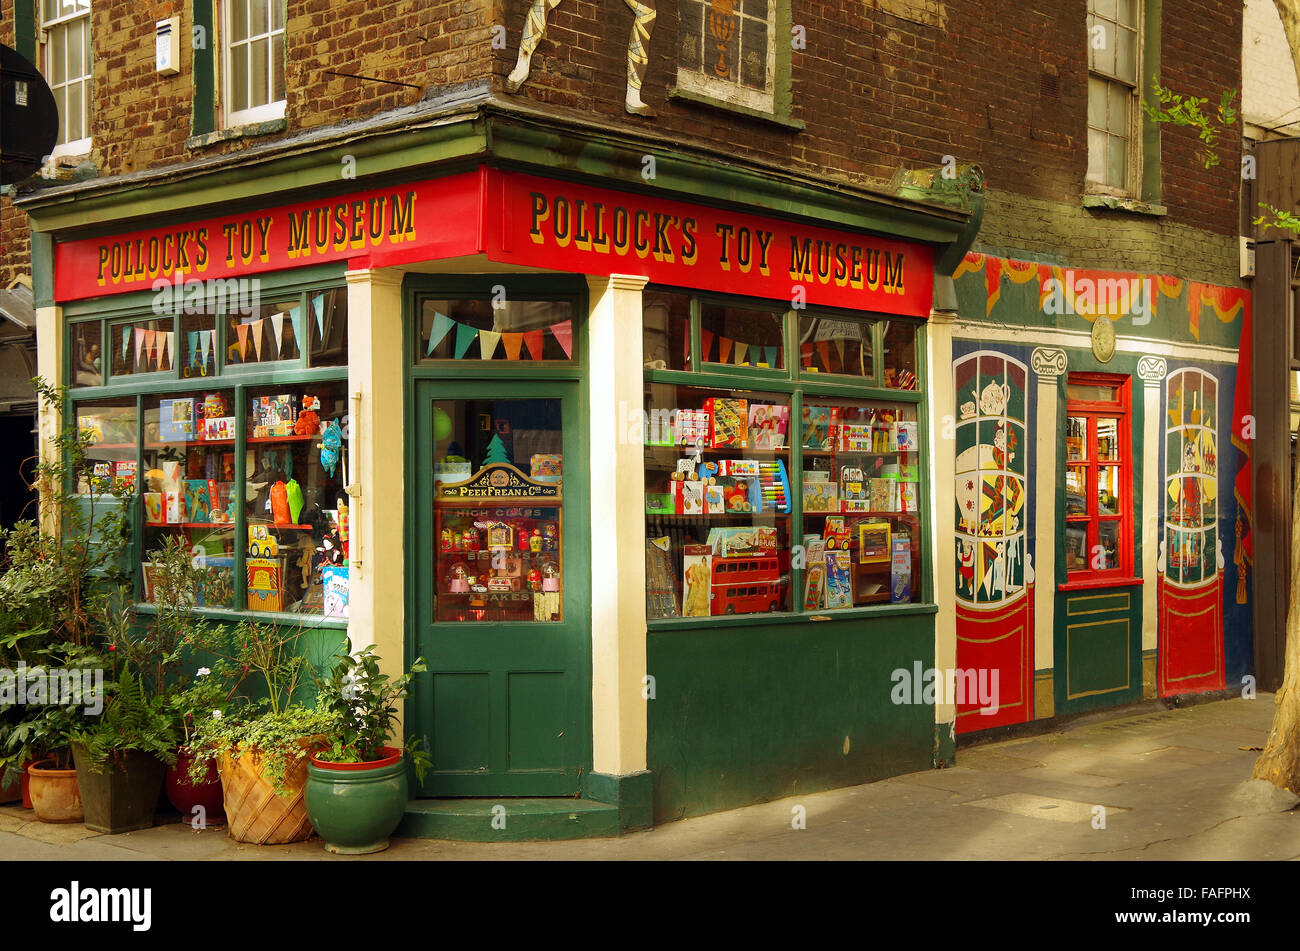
<point x="14" y="236"/>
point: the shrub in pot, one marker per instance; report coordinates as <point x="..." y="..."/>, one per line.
<point x="261" y="745"/>
<point x="121" y="757"/>
<point x="357" y="789"/>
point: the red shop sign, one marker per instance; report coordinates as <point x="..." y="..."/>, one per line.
<point x="522" y="220"/>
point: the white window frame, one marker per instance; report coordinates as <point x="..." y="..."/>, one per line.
<point x="1133" y="168"/>
<point x="701" y="83"/>
<point x="265" y="112"/>
<point x="70" y="11"/>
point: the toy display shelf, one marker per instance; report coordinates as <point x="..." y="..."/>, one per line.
<point x="231" y="525"/>
<point x="712" y="450"/>
<point x="859" y="514"/>
<point x="855" y="452"/>
<point x="251" y="441"/>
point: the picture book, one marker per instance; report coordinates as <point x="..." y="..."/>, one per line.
<point x="906" y="438"/>
<point x="767" y="425"/>
<point x="334" y="579"/>
<point x="873" y="542"/>
<point x="197" y="500"/>
<point x="124" y="474"/>
<point x="900" y="570"/>
<point x="814" y="578"/>
<point x="882" y="495"/>
<point x="660" y="592"/>
<point x="692" y="427"/>
<point x="839" y="585"/>
<point x="697" y="580"/>
<point x="816" y="428"/>
<point x="729" y="427"/>
<point x="907" y="492"/>
<point x="855" y="437"/>
<point x="176" y="420"/>
<point x="821" y="497"/>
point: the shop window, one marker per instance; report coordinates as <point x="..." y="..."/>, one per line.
<point x="248" y="477"/>
<point x="1098" y="503"/>
<point x="67" y="59"/>
<point x="141" y="346"/>
<point x="990" y="477"/>
<point x="898" y="344"/>
<point x="1114" y="54"/>
<point x="498" y="510"/>
<point x="109" y="428"/>
<point x="253" y="60"/>
<point x="837" y="346"/>
<point x="861" y="484"/>
<point x="666" y="330"/>
<point x="740" y="336"/>
<point x="88" y="353"/>
<point x="718" y="501"/>
<point x="727" y="51"/>
<point x="496" y="328"/>
<point x="1191" y="478"/>
<point x="265" y="333"/>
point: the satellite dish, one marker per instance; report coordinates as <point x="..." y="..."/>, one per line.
<point x="29" y="118"/>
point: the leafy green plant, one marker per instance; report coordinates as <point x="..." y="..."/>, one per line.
<point x="1187" y="111"/>
<point x="132" y="720"/>
<point x="365" y="702"/>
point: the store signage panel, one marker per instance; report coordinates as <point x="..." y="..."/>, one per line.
<point x="426" y="220"/>
<point x="577" y="228"/>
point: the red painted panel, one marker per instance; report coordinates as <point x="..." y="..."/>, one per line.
<point x="1001" y="639"/>
<point x="1190" y="638"/>
<point x="586" y="230"/>
<point x="398" y="225"/>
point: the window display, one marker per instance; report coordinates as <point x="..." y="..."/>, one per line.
<point x="498" y="510"/>
<point x="265" y="333"/>
<point x="861" y="503"/>
<point x="109" y="426"/>
<point x="142" y="346"/>
<point x="1098" y="511"/>
<point x="1191" y="478"/>
<point x="839" y="346"/>
<point x="740" y="336"/>
<point x="496" y="329"/>
<point x="718" y="500"/>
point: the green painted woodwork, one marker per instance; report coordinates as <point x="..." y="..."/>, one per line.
<point x="505" y="707"/>
<point x="508" y="820"/>
<point x="754" y="713"/>
<point x="632" y="794"/>
<point x="203" y="117"/>
<point x="945" y="745"/>
<point x="25" y="29"/>
<point x="42" y="265"/>
<point x="1150" y="184"/>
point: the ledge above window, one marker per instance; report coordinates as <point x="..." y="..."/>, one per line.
<point x="1119" y="203"/>
<point x="248" y="130"/>
<point x="700" y="99"/>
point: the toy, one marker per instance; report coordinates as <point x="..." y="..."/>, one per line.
<point x="293" y="493"/>
<point x="535" y="542"/>
<point x="534" y="580"/>
<point x="470" y="540"/>
<point x="550" y="536"/>
<point x="696" y="580"/>
<point x="331" y="446"/>
<point x="737" y="497"/>
<point x="308" y="423"/>
<point x="448" y="542"/>
<point x="500" y="536"/>
<point x="729" y="426"/>
<point x="835" y="534"/>
<point x="280" y="503"/>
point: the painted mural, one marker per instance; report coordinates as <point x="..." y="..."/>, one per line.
<point x="1202" y="455"/>
<point x="995" y="572"/>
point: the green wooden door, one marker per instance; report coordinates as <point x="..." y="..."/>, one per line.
<point x="501" y="587"/>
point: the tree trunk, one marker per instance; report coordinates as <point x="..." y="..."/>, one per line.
<point x="1280" y="761"/>
<point x="1289" y="11"/>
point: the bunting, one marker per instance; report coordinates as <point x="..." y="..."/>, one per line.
<point x="441" y="325"/>
<point x="126" y="343"/>
<point x="256" y="331"/>
<point x="139" y="344"/>
<point x="513" y="342"/>
<point x="277" y="328"/>
<point x="769" y="355"/>
<point x="318" y="304"/>
<point x="242" y="330"/>
<point x="465" y="335"/>
<point x="487" y="343"/>
<point x="563" y="332"/>
<point x="724" y="348"/>
<point x="742" y="353"/>
<point x="533" y="340"/>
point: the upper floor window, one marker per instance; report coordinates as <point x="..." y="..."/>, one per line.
<point x="1114" y="57"/>
<point x="65" y="27"/>
<point x="728" y="51"/>
<point x="253" y="60"/>
<point x="1098" y="478"/>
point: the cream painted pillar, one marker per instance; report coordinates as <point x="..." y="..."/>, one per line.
<point x="50" y="345"/>
<point x="943" y="460"/>
<point x="618" y="617"/>
<point x="377" y="513"/>
<point x="1152" y="371"/>
<point x="1049" y="364"/>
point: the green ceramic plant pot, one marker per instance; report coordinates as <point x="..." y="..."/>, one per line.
<point x="355" y="807"/>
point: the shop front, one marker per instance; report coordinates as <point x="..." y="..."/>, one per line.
<point x="646" y="477"/>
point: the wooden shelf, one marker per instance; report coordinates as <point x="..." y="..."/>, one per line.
<point x="854" y="452"/>
<point x="725" y="450"/>
<point x="864" y="514"/>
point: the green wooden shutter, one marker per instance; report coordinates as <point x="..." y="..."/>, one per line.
<point x="204" y="113"/>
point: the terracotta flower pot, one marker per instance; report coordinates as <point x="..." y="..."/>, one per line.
<point x="184" y="794"/>
<point x="254" y="812"/>
<point x="356" y="806"/>
<point x="55" y="794"/>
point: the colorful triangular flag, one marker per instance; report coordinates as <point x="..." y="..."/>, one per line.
<point x="139" y="343"/>
<point x="277" y="329"/>
<point x="706" y="344"/>
<point x="441" y="325"/>
<point x="769" y="355"/>
<point x="533" y="340"/>
<point x="487" y="343"/>
<point x="742" y="353"/>
<point x="256" y="330"/>
<point x="295" y="321"/>
<point x="465" y="335"/>
<point x="724" y="349"/>
<point x="513" y="342"/>
<point x="126" y="343"/>
<point x="242" y="331"/>
<point x="563" y="332"/>
<point x="318" y="304"/>
<point x="839" y="350"/>
<point x="824" y="351"/>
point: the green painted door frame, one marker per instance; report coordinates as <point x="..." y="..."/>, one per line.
<point x="505" y="707"/>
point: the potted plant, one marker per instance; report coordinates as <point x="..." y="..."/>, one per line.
<point x="357" y="788"/>
<point x="261" y="745"/>
<point x="201" y="798"/>
<point x="120" y="757"/>
<point x="52" y="778"/>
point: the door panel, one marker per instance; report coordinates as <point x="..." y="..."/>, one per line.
<point x="501" y="577"/>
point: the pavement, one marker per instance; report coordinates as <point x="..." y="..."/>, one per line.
<point x="1156" y="784"/>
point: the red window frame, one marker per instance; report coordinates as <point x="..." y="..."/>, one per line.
<point x="1092" y="411"/>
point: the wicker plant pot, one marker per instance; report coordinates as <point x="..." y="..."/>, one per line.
<point x="254" y="812"/>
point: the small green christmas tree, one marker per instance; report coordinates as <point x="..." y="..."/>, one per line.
<point x="496" y="452"/>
